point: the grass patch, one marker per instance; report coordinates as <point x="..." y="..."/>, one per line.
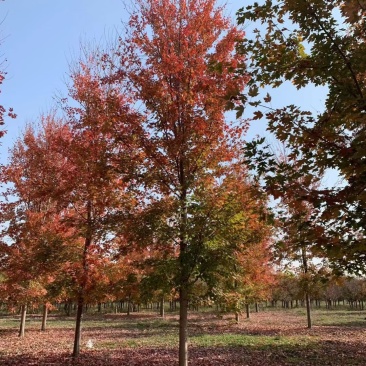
<point x="154" y="340"/>
<point x="339" y="318"/>
<point x="245" y="340"/>
<point x="224" y="340"/>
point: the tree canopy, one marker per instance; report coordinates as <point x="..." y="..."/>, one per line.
<point x="315" y="43"/>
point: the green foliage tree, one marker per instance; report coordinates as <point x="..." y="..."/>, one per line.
<point x="315" y="43"/>
<point x="298" y="231"/>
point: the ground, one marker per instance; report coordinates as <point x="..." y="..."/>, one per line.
<point x="270" y="337"/>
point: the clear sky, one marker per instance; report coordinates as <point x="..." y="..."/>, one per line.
<point x="42" y="36"/>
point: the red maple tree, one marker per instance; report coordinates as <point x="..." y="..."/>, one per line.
<point x="178" y="62"/>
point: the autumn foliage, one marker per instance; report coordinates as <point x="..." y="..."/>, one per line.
<point x="135" y="188"/>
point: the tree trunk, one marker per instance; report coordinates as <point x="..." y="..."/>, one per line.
<point x="183" y="325"/>
<point x="184" y="268"/>
<point x="128" y="307"/>
<point x="82" y="289"/>
<point x="162" y="312"/>
<point x="307" y="297"/>
<point x="248" y="310"/>
<point x="308" y="309"/>
<point x="69" y="308"/>
<point x="79" y="317"/>
<point x="22" y="320"/>
<point x="44" y="317"/>
<point x="237" y="317"/>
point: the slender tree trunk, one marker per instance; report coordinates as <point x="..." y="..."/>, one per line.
<point x="79" y="317"/>
<point x="184" y="269"/>
<point x="237" y="317"/>
<point x="256" y="307"/>
<point x="162" y="310"/>
<point x="307" y="297"/>
<point x="82" y="289"/>
<point x="128" y="307"/>
<point x="23" y="315"/>
<point x="247" y="307"/>
<point x="44" y="317"/>
<point x="68" y="308"/>
<point x="308" y="309"/>
<point x="183" y="326"/>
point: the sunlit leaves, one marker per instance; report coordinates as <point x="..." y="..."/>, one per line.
<point x="317" y="43"/>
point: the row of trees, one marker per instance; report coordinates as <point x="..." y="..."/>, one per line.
<point x="324" y="289"/>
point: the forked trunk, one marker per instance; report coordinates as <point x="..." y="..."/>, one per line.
<point x="22" y="320"/>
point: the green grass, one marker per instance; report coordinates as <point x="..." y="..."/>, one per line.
<point x="207" y="340"/>
<point x="149" y="338"/>
<point x="90" y="321"/>
<point x="339" y="318"/>
<point x="35" y="322"/>
<point x="323" y="317"/>
<point x="245" y="340"/>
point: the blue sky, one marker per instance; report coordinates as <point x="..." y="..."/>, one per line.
<point x="42" y="36"/>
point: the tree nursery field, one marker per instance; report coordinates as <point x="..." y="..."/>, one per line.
<point x="270" y="337"/>
<point x="141" y="184"/>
